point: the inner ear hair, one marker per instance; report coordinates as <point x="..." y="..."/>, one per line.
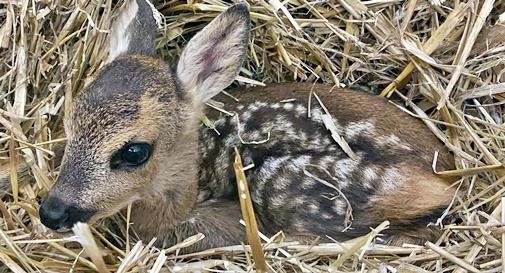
<point x="213" y="57"/>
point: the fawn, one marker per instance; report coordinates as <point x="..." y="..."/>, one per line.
<point x="134" y="137"/>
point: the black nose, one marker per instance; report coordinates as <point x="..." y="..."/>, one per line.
<point x="56" y="214"/>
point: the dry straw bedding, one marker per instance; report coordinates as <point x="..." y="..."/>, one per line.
<point x="443" y="61"/>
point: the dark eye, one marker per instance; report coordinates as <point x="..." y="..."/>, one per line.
<point x="131" y="155"/>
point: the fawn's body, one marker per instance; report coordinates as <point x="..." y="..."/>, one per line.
<point x="304" y="184"/>
<point x="133" y="138"/>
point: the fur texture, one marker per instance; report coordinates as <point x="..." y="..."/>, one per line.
<point x="302" y="182"/>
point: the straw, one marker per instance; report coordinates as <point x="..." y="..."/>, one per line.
<point x="439" y="61"/>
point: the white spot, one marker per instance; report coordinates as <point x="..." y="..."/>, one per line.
<point x="288" y="106"/>
<point x="316" y="115"/>
<point x="250" y="108"/>
<point x="326" y="216"/>
<point x="278" y="201"/>
<point x="282" y="182"/>
<point x="313" y="208"/>
<point x="270" y="167"/>
<point x="255" y="106"/>
<point x="302" y="136"/>
<point x="261" y="104"/>
<point x="204" y="172"/>
<point x="203" y="195"/>
<point x="326" y="160"/>
<point x="300" y="109"/>
<point x="308" y="183"/>
<point x="300" y="162"/>
<point x="246" y="115"/>
<point x="345" y="167"/>
<point x="209" y="144"/>
<point x="220" y="122"/>
<point x="317" y="143"/>
<point x="370" y="174"/>
<point x="355" y="129"/>
<point x="391" y="179"/>
<point x="392" y="140"/>
<point x="339" y="206"/>
<point x="298" y="201"/>
<point x="229" y="141"/>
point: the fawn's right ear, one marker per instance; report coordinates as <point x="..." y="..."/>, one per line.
<point x="134" y="29"/>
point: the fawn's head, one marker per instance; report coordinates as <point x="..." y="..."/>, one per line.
<point x="130" y="125"/>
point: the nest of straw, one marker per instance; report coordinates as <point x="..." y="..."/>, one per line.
<point x="443" y="60"/>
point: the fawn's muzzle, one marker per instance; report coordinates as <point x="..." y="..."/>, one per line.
<point x="59" y="216"/>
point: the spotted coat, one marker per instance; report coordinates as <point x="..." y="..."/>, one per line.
<point x="301" y="181"/>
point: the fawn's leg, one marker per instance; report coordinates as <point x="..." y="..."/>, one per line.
<point x="218" y="220"/>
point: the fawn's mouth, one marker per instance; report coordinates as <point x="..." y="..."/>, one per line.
<point x="101" y="214"/>
<point x="67" y="230"/>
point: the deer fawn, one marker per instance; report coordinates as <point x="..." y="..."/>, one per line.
<point x="133" y="137"/>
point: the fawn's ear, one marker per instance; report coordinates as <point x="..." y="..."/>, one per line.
<point x="134" y="29"/>
<point x="213" y="57"/>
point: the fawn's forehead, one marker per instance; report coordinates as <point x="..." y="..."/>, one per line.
<point x="128" y="78"/>
<point x="129" y="92"/>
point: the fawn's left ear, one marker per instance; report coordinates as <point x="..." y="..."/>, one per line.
<point x="213" y="57"/>
<point x="134" y="29"/>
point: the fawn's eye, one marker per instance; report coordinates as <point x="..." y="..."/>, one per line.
<point x="131" y="155"/>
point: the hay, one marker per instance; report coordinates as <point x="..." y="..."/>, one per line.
<point x="444" y="59"/>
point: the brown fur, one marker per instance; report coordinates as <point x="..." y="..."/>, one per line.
<point x="424" y="194"/>
<point x="216" y="221"/>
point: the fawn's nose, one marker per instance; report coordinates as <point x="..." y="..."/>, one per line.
<point x="57" y="215"/>
<point x="53" y="213"/>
